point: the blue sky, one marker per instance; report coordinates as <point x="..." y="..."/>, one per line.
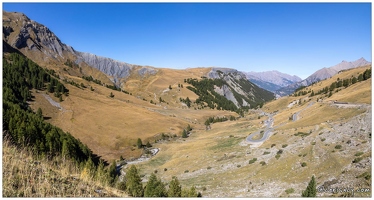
<point x="294" y="38"/>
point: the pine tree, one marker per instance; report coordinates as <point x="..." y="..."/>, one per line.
<point x="134" y="185"/>
<point x="360" y="77"/>
<point x="148" y="145"/>
<point x="175" y="190"/>
<point x="65" y="149"/>
<point x="354" y="80"/>
<point x="89" y="168"/>
<point x="184" y="134"/>
<point x="188" y="102"/>
<point x="192" y="192"/>
<point x="139" y="143"/>
<point x="189" y="128"/>
<point x="50" y="88"/>
<point x="39" y="112"/>
<point x="154" y="188"/>
<point x="310" y="190"/>
<point x="112" y="173"/>
<point x="101" y="173"/>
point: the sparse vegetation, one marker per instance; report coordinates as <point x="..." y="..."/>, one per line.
<point x="366" y="175"/>
<point x="139" y="143"/>
<point x="290" y="191"/>
<point x="338" y="146"/>
<point x="357" y="160"/>
<point x="252" y="161"/>
<point x="359" y="153"/>
<point x="301" y="134"/>
<point x="303" y="164"/>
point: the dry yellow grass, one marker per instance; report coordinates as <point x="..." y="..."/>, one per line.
<point x="25" y="175"/>
<point x="217" y="160"/>
<point x="357" y="93"/>
<point x="111" y="126"/>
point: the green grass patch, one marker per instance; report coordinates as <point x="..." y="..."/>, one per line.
<point x="365" y="175"/>
<point x="290" y="191"/>
<point x="359" y="153"/>
<point x="252" y="161"/>
<point x="301" y="134"/>
<point x="357" y="160"/>
<point x="159" y="160"/>
<point x="226" y="143"/>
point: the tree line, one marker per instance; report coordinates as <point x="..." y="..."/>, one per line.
<point x="205" y="90"/>
<point x="132" y="184"/>
<point x="25" y="128"/>
<point x="212" y="120"/>
<point x="328" y="90"/>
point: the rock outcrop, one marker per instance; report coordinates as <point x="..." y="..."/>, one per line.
<point x="21" y="32"/>
<point x="238" y="89"/>
<point x="39" y="42"/>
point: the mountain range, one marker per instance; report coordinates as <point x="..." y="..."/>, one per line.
<point x="322" y="74"/>
<point x="40" y="44"/>
<point x="272" y="80"/>
<point x="208" y="129"/>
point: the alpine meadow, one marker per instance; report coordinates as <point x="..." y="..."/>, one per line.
<point x="76" y="124"/>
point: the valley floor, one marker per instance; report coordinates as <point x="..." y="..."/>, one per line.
<point x="217" y="161"/>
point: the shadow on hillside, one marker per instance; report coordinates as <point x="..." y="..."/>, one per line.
<point x="96" y="159"/>
<point x="46" y="118"/>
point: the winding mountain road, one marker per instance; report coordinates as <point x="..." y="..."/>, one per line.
<point x="269" y="128"/>
<point x="296" y="115"/>
<point x="266" y="132"/>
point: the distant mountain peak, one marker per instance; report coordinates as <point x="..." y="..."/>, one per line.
<point x="271" y="80"/>
<point x="322" y="74"/>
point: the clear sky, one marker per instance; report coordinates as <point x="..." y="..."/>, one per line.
<point x="294" y="38"/>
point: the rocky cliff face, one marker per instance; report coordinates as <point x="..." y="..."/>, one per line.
<point x="322" y="74"/>
<point x="238" y="89"/>
<point x="38" y="42"/>
<point x="31" y="37"/>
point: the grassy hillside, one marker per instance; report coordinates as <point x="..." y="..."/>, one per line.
<point x="25" y="175"/>
<point x="326" y="140"/>
<point x="111" y="126"/>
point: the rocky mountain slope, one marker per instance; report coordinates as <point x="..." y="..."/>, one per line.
<point x="237" y="89"/>
<point x="322" y="74"/>
<point x="40" y="44"/>
<point x="271" y="80"/>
